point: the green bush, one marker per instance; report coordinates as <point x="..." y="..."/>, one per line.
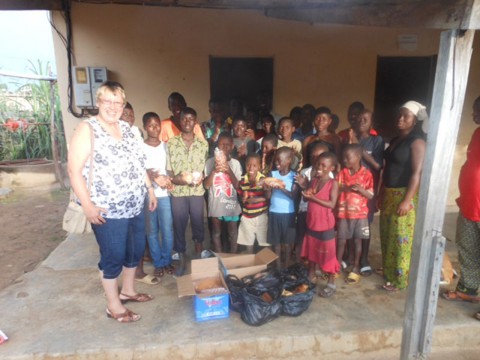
<point x="32" y="138"/>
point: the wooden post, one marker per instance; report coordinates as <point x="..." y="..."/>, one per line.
<point x="53" y="138"/>
<point x="447" y="103"/>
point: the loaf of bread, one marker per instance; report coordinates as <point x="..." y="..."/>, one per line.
<point x="274" y="183"/>
<point x="208" y="285"/>
<point x="301" y="288"/>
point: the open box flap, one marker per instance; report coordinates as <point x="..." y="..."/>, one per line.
<point x="201" y="269"/>
<point x="246" y="271"/>
<point x="185" y="286"/>
<point x="208" y="265"/>
<point x="224" y="255"/>
<point x="235" y="262"/>
<point x="265" y="256"/>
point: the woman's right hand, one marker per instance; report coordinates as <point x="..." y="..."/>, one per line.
<point x="379" y="200"/>
<point x="94" y="214"/>
<point x="404" y="207"/>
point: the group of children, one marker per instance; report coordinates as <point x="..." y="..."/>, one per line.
<point x="276" y="190"/>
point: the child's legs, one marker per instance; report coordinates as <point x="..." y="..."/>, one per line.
<point x="350" y="249"/>
<point x="275" y="235"/>
<point x="344" y="233"/>
<point x="166" y="228"/>
<point x="152" y="236"/>
<point x="232" y="227"/>
<point x="180" y="220"/>
<point x="261" y="230"/>
<point x="196" y="206"/>
<point x="311" y="269"/>
<point x="288" y="238"/>
<point x="288" y="255"/>
<point x="216" y="233"/>
<point x="331" y="279"/>
<point x="278" y="251"/>
<point x="358" y="254"/>
<point x="366" y="244"/>
<point x="301" y="229"/>
<point x="209" y="219"/>
<point x="340" y="249"/>
<point x="361" y="233"/>
<point x="365" y="248"/>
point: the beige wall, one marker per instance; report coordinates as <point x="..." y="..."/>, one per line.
<point x="154" y="51"/>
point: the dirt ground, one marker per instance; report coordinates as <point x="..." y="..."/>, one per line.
<point x="31" y="227"/>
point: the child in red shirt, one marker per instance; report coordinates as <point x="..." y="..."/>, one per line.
<point x="319" y="242"/>
<point x="356" y="188"/>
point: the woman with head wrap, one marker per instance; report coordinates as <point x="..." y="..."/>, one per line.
<point x="399" y="194"/>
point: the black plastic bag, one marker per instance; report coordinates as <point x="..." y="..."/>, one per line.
<point x="235" y="286"/>
<point x="296" y="304"/>
<point x="294" y="278"/>
<point x="294" y="275"/>
<point x="261" y="300"/>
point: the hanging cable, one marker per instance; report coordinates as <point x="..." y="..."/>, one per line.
<point x="66" y="6"/>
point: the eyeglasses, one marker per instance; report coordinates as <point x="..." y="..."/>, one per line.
<point x="109" y="103"/>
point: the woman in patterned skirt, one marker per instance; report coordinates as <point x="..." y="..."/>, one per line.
<point x="398" y="197"/>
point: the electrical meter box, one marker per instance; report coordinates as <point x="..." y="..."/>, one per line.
<point x="86" y="81"/>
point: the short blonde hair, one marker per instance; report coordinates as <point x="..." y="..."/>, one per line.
<point x="111" y="86"/>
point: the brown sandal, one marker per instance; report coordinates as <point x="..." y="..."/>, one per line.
<point x="459" y="296"/>
<point x="125" y="317"/>
<point x="169" y="269"/>
<point x="390" y="287"/>
<point x="159" y="272"/>
<point x="140" y="297"/>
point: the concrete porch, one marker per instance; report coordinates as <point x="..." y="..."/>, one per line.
<point x="58" y="312"/>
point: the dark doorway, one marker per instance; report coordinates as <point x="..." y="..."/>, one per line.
<point x="241" y="78"/>
<point x="400" y="79"/>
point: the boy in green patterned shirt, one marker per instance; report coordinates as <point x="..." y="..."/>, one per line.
<point x="186" y="159"/>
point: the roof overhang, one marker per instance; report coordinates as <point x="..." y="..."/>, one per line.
<point x="435" y="14"/>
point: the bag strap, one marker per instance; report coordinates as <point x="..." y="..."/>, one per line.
<point x="73" y="197"/>
<point x="90" y="170"/>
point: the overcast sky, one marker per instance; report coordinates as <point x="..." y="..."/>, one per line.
<point x="25" y="35"/>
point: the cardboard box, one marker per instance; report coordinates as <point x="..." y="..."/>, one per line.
<point x="248" y="264"/>
<point x="207" y="305"/>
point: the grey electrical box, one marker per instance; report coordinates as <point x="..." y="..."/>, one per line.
<point x="86" y="81"/>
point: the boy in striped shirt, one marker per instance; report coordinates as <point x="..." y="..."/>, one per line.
<point x="254" y="221"/>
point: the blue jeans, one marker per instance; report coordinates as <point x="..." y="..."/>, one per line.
<point x="161" y="220"/>
<point x="121" y="242"/>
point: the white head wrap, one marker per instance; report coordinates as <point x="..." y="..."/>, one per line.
<point x="419" y="111"/>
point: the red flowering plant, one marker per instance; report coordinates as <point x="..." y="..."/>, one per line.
<point x="12" y="124"/>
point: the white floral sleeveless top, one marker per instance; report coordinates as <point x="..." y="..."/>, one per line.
<point x="118" y="172"/>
